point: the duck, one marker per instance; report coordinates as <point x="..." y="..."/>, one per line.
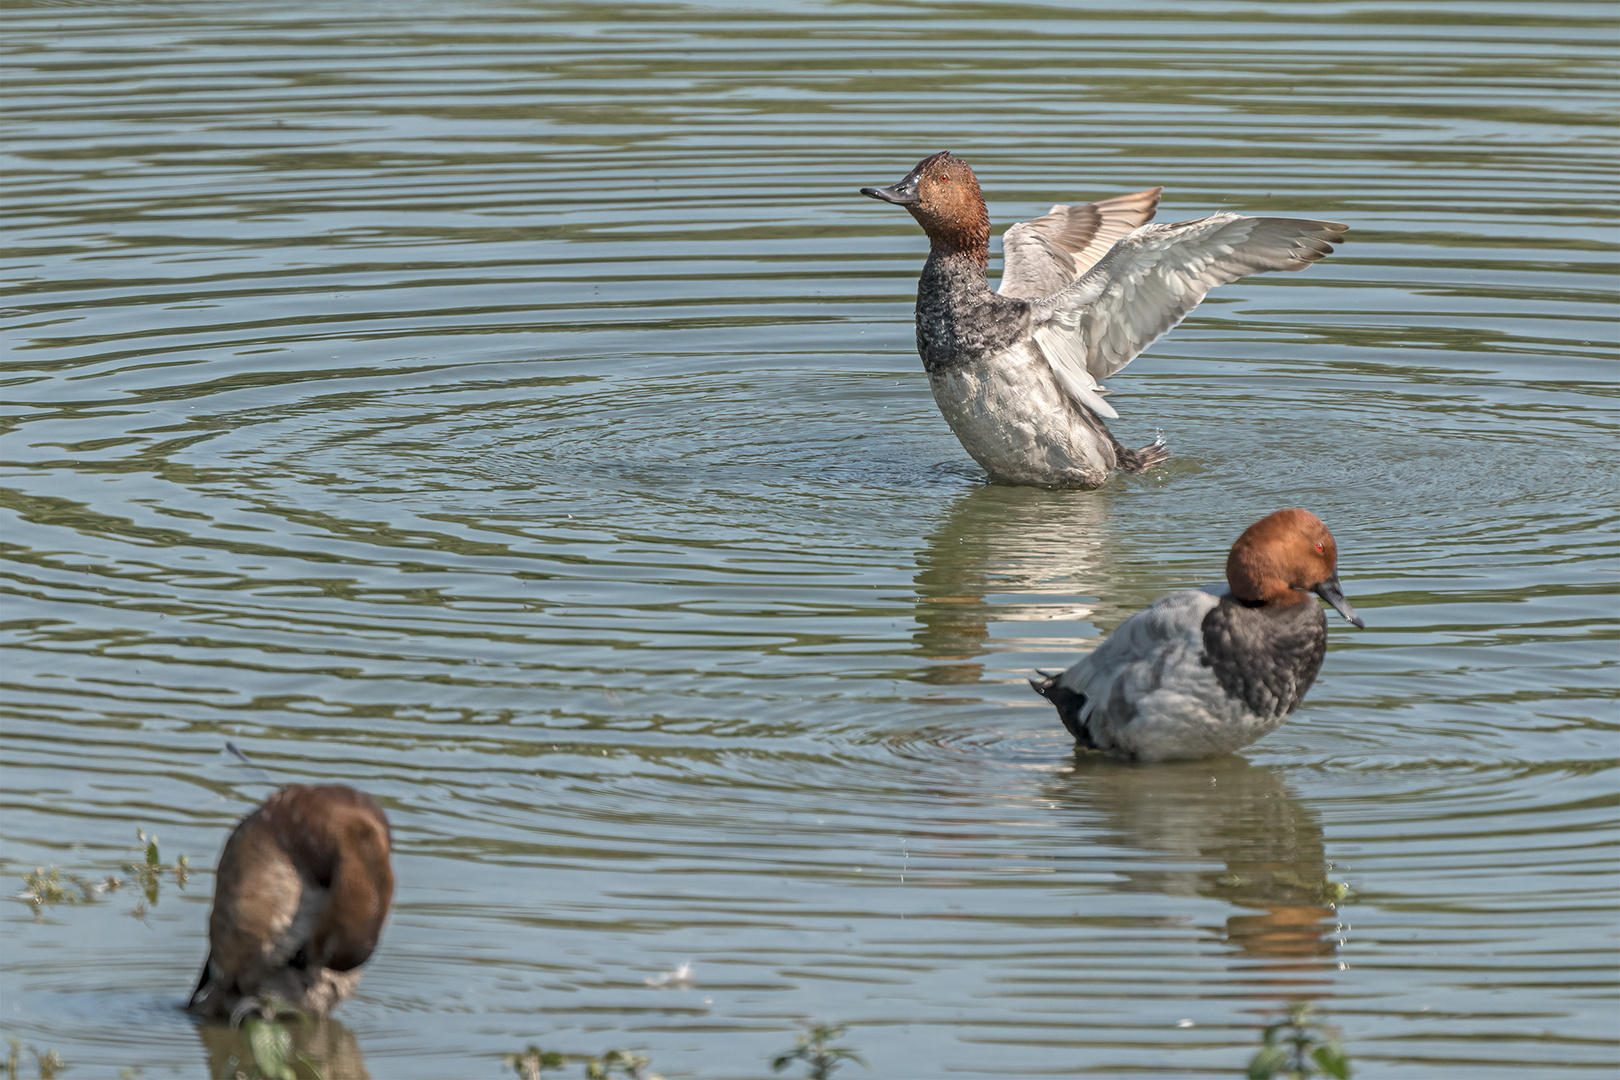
<point x="1197" y="675"/>
<point x="1084" y="289"/>
<point x="303" y="888"/>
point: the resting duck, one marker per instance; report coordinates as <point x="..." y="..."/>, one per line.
<point x="1084" y="288"/>
<point x="303" y="888"/>
<point x="1195" y="675"/>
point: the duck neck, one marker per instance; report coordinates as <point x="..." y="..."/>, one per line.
<point x="1273" y="599"/>
<point x="960" y="268"/>
<point x="965" y="238"/>
<point x="978" y="253"/>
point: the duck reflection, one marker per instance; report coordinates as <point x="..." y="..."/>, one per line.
<point x="1029" y="548"/>
<point x="319" y="1048"/>
<point x="1227" y="830"/>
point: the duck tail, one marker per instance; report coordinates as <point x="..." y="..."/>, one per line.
<point x="1151" y="456"/>
<point x="1068" y="703"/>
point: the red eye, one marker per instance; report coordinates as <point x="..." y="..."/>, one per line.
<point x="944" y="178"/>
<point x="1319" y="546"/>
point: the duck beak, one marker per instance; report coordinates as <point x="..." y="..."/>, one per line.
<point x="903" y="193"/>
<point x="1329" y="590"/>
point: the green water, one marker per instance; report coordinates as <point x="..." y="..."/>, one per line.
<point x="512" y="409"/>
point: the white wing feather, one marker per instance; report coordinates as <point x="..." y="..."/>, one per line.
<point x="1150" y="280"/>
<point x="1042" y="256"/>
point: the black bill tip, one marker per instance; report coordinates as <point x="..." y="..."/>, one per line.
<point x="1329" y="590"/>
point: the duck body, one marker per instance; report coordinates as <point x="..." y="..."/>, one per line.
<point x="300" y="897"/>
<point x="1084" y="288"/>
<point x="994" y="386"/>
<point x="1196" y="675"/>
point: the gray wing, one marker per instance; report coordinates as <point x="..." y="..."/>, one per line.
<point x="1041" y="257"/>
<point x="1146" y="649"/>
<point x="1140" y="638"/>
<point x="1151" y="279"/>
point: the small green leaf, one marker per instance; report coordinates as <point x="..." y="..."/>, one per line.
<point x="1265" y="1064"/>
<point x="1332" y="1060"/>
<point x="271" y="1045"/>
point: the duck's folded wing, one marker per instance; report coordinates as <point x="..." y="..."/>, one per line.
<point x="1155" y="644"/>
<point x="1151" y="279"/>
<point x="1042" y="256"/>
<point x="1142" y="639"/>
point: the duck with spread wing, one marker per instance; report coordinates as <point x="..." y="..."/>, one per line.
<point x="1084" y="288"/>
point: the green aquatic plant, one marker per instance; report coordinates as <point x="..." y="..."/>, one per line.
<point x="820" y="1060"/>
<point x="619" y="1063"/>
<point x="531" y="1061"/>
<point x="271" y="1045"/>
<point x="149" y="871"/>
<point x="268" y="1040"/>
<point x="51" y="887"/>
<point x="43" y="888"/>
<point x="1334" y="893"/>
<point x="263" y="1046"/>
<point x="1299" y="1047"/>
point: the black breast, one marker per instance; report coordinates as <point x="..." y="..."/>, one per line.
<point x="1265" y="656"/>
<point x="959" y="319"/>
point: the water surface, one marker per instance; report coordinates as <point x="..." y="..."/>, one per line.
<point x="512" y="409"/>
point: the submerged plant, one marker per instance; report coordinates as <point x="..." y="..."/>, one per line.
<point x="531" y="1061"/>
<point x="271" y="1045"/>
<point x="820" y="1060"/>
<point x="621" y="1063"/>
<point x="1299" y="1047"/>
<point x="56" y="886"/>
<point x="149" y="871"/>
<point x="1334" y="893"/>
<point x="53" y="887"/>
<point x="50" y="1062"/>
<point x="266" y="1040"/>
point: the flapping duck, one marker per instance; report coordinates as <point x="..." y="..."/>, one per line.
<point x="1084" y="288"/>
